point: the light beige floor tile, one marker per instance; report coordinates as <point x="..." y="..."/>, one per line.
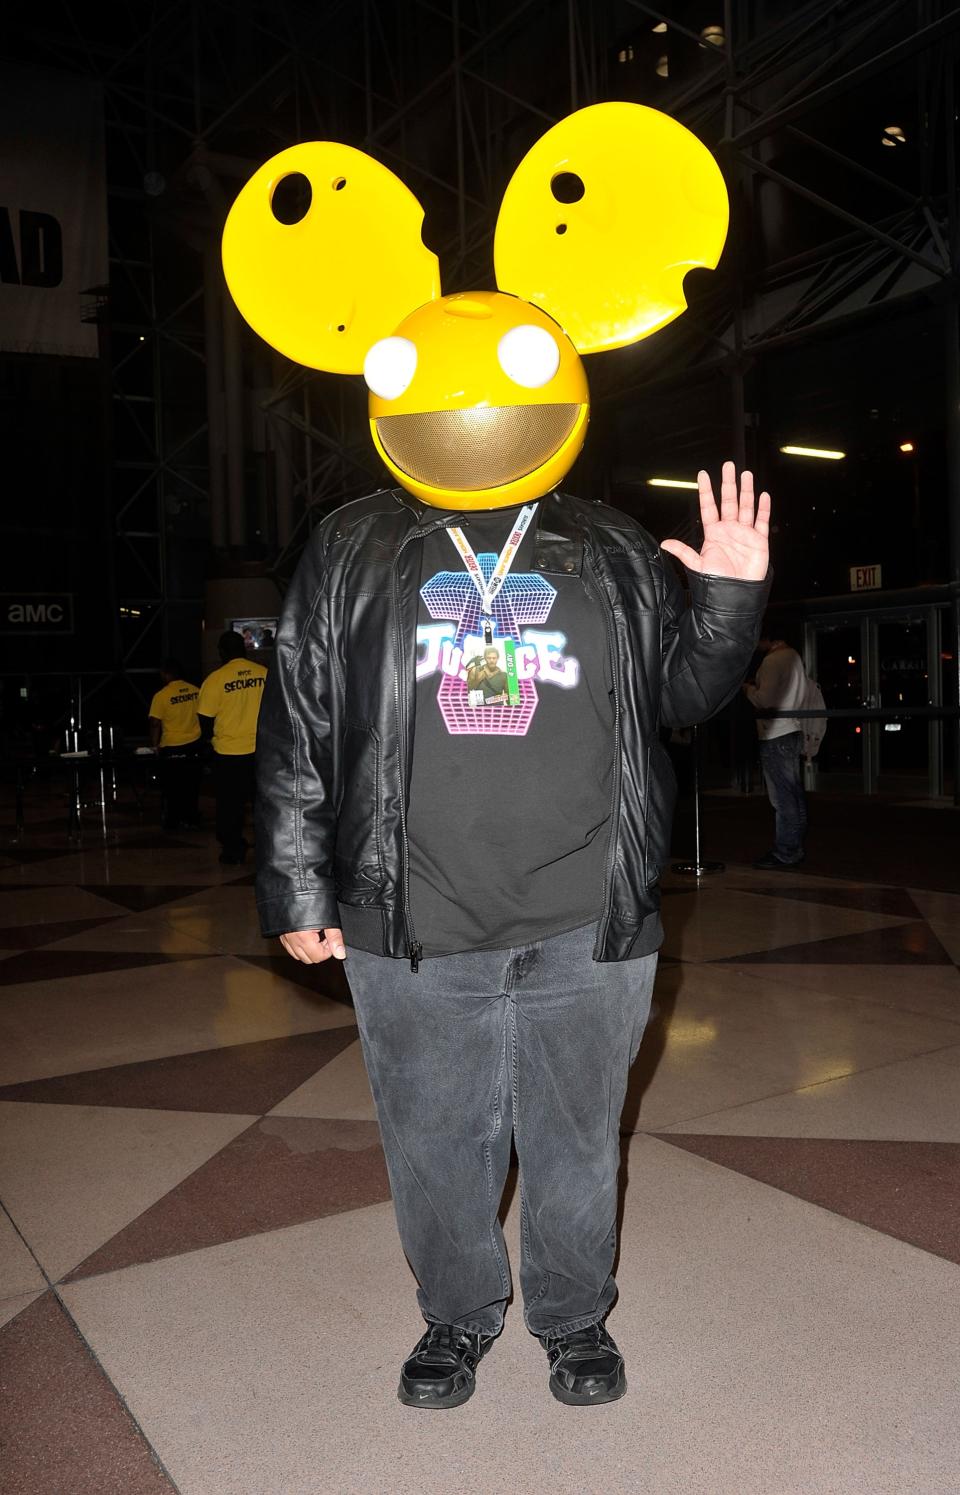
<point x="340" y="1089"/>
<point x="715" y="923"/>
<point x="119" y="1017"/>
<point x="917" y="1100"/>
<point x="943" y="906"/>
<point x="929" y="991"/>
<point x="52" y="906"/>
<point x="773" y="1349"/>
<point x="10" y="1307"/>
<point x="948" y="933"/>
<point x="224" y="918"/>
<point x="725" y="1038"/>
<point x="72" y="1176"/>
<point x="135" y="932"/>
<point x="19" y="1272"/>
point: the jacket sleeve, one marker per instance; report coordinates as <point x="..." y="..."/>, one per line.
<point x="706" y="647"/>
<point x="295" y="813"/>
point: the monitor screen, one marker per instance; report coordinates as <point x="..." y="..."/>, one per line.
<point x="257" y="633"/>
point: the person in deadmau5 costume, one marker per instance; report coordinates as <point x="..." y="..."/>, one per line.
<point x="461" y="786"/>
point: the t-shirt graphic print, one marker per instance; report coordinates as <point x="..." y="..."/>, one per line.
<point x="491" y="665"/>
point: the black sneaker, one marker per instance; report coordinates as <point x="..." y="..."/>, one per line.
<point x="772" y="863"/>
<point x="586" y="1368"/>
<point x="441" y="1370"/>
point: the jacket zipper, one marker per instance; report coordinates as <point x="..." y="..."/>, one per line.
<point x="414" y="947"/>
<point x="607" y="910"/>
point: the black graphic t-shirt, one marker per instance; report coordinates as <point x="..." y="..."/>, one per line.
<point x="511" y="783"/>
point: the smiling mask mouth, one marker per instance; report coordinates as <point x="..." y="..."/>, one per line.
<point x="470" y="450"/>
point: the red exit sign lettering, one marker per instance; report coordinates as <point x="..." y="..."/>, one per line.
<point x="864" y="578"/>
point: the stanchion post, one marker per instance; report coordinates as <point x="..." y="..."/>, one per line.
<point x="698" y="867"/>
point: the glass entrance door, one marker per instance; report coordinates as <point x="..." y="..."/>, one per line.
<point x="886" y="659"/>
<point x="908" y="751"/>
<point x="835" y="656"/>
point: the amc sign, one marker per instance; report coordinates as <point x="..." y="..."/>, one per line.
<point x="36" y="612"/>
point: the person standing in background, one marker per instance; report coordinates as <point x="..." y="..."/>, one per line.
<point x="175" y="738"/>
<point x="229" y="705"/>
<point x="781" y="685"/>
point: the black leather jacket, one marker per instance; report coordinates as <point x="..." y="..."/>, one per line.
<point x="336" y="724"/>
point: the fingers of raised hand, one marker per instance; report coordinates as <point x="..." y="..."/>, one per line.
<point x="746" y="498"/>
<point x="683" y="553"/>
<point x="708" y="504"/>
<point x="728" y="492"/>
<point x="762" y="525"/>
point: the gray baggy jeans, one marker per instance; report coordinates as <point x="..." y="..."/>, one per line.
<point x="534" y="1042"/>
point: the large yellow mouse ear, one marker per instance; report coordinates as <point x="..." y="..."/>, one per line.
<point x="603" y="218"/>
<point x="324" y="289"/>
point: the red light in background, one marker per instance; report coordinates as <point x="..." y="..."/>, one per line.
<point x="857" y="730"/>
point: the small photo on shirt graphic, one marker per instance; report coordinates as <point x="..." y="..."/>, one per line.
<point x="489" y="677"/>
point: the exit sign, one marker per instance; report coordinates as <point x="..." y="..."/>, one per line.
<point x="864" y="578"/>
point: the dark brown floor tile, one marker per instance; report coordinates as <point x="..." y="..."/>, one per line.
<point x="145" y="841"/>
<point x="18" y="855"/>
<point x="326" y="979"/>
<point x="857" y="836"/>
<point x="910" y="1190"/>
<point x="33" y="936"/>
<point x="38" y="827"/>
<point x="63" y="1428"/>
<point x="50" y="965"/>
<point x="139" y="898"/>
<point x="244" y="1079"/>
<point x="899" y="944"/>
<point x="895" y="901"/>
<point x="281" y="1171"/>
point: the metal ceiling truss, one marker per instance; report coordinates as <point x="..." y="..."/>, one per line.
<point x="450" y="93"/>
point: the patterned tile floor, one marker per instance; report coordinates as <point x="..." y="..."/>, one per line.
<point x="201" y="1288"/>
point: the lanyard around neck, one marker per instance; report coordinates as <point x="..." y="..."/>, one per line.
<point x="489" y="589"/>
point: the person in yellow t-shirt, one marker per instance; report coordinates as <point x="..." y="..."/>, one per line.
<point x="230" y="704"/>
<point x="175" y="737"/>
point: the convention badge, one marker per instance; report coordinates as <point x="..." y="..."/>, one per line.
<point x="488" y="677"/>
<point x="513" y="682"/>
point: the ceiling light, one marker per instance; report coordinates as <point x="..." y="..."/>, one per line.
<point x="663" y="67"/>
<point x="893" y="135"/>
<point x="713" y="35"/>
<point x="661" y="26"/>
<point x="813" y="451"/>
<point x="625" y="54"/>
<point x="671" y="483"/>
<point x="907" y="446"/>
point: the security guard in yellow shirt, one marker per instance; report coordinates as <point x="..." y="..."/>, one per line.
<point x="230" y="704"/>
<point x="175" y="737"/>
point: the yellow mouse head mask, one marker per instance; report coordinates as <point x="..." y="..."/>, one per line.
<point x="480" y="400"/>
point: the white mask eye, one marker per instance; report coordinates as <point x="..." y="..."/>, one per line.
<point x="390" y="366"/>
<point x="529" y="355"/>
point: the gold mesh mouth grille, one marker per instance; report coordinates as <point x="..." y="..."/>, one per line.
<point x="475" y="449"/>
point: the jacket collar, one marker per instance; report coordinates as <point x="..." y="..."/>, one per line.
<point x="558" y="538"/>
